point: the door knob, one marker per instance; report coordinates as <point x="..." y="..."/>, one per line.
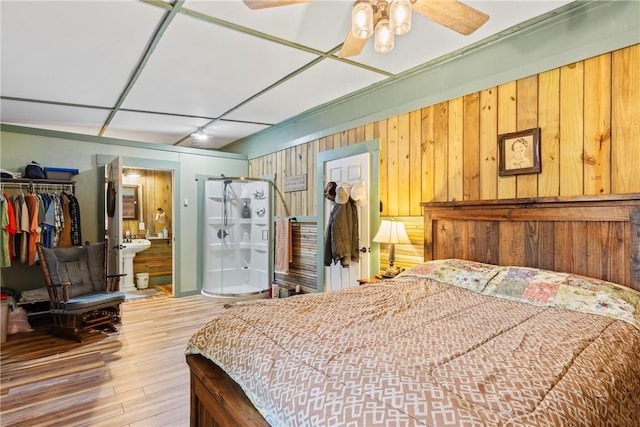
<point x="363" y="250"/>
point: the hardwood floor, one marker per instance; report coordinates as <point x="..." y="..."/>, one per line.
<point x="134" y="377"/>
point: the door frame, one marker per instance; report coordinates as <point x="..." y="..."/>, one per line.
<point x="166" y="165"/>
<point x="114" y="258"/>
<point x="373" y="148"/>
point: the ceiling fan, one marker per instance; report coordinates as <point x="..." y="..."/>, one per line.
<point x="387" y="18"/>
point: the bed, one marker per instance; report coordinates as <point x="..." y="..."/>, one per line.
<point x="526" y="312"/>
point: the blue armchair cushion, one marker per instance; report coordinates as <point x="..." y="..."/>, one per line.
<point x="90" y="301"/>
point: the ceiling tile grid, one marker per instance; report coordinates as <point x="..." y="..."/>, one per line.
<point x="195" y="62"/>
<point x="214" y="65"/>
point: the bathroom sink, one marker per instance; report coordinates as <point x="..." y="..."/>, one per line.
<point x="136" y="245"/>
<point x="129" y="251"/>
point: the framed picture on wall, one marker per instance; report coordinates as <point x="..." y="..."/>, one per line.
<point x="519" y="152"/>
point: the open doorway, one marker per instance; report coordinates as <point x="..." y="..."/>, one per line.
<point x="148" y="213"/>
<point x="147" y="185"/>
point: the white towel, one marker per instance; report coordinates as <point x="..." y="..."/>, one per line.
<point x="284" y="252"/>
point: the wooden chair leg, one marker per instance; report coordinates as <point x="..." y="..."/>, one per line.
<point x="66" y="332"/>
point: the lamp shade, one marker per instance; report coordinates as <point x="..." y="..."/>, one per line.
<point x="392" y="232"/>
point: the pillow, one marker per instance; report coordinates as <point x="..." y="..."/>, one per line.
<point x="568" y="291"/>
<point x="524" y="283"/>
<point x="470" y="275"/>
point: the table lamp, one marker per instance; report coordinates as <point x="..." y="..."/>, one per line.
<point x="392" y="232"/>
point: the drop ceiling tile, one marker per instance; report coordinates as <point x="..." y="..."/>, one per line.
<point x="203" y="69"/>
<point x="318" y="85"/>
<point x="156" y="128"/>
<point x="72" y="51"/>
<point x="319" y="24"/>
<point x="54" y="117"/>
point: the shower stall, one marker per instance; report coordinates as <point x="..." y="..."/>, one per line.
<point x="238" y="234"/>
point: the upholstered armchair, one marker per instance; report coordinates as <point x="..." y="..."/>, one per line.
<point x="81" y="294"/>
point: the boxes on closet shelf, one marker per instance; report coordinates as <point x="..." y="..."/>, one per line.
<point x="59" y="173"/>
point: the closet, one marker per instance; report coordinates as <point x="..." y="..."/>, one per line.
<point x="20" y="271"/>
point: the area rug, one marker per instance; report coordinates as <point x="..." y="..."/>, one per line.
<point x="142" y="293"/>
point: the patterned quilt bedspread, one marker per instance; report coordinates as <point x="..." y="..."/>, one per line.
<point x="504" y="346"/>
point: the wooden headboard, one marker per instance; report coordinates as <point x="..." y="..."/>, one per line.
<point x="596" y="236"/>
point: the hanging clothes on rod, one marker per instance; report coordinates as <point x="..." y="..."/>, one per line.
<point x="33" y="237"/>
<point x="47" y="213"/>
<point x="7" y="231"/>
<point x="22" y="221"/>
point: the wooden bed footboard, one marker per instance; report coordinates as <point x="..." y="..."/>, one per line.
<point x="217" y="400"/>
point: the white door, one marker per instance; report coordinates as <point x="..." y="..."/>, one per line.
<point x="113" y="203"/>
<point x="350" y="170"/>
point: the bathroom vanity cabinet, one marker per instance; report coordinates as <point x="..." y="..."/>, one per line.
<point x="157" y="261"/>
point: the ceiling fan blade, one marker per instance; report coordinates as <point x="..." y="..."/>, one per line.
<point x="452" y="14"/>
<point x="351" y="46"/>
<point x="262" y="4"/>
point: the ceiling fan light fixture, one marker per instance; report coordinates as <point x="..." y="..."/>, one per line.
<point x="384" y="37"/>
<point x="400" y="16"/>
<point x="362" y="20"/>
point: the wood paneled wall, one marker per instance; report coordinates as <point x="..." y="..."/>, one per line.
<point x="588" y="112"/>
<point x="157" y="192"/>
